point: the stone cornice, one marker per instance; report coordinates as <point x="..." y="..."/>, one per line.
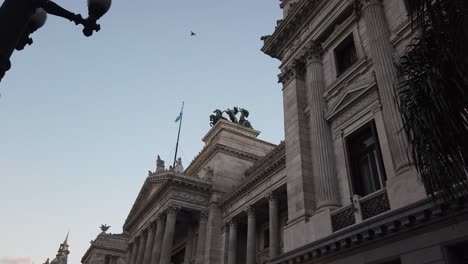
<point x="167" y="180"/>
<point x="395" y="223"/>
<point x="267" y="166"/>
<point x="292" y="25"/>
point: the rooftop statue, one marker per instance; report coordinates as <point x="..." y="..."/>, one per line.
<point x="104" y="228"/>
<point x="232" y="113"/>
<point x="217" y="115"/>
<point x="160" y="164"/>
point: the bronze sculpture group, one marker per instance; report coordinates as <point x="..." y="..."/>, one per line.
<point x="232" y="113"/>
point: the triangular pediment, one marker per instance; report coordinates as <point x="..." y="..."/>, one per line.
<point x="350" y="95"/>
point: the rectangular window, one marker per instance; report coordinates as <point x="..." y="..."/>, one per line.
<point x="266" y="238"/>
<point x="367" y="172"/>
<point x="345" y="55"/>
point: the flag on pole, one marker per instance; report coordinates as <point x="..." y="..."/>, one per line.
<point x="178" y="117"/>
<point x="181" y="113"/>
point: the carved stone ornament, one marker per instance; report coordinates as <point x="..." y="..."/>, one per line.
<point x="291" y="71"/>
<point x="250" y="211"/>
<point x="313" y="53"/>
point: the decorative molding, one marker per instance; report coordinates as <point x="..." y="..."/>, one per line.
<point x="354" y="92"/>
<point x="288" y="33"/>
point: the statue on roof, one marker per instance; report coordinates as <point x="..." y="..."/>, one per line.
<point x="104" y="228"/>
<point x="216" y="116"/>
<point x="160" y="164"/>
<point x="232" y="113"/>
<point x="178" y="166"/>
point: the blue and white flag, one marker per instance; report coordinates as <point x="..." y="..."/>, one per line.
<point x="178" y="117"/>
<point x="181" y="113"/>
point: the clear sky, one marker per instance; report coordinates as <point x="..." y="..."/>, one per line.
<point x="82" y="119"/>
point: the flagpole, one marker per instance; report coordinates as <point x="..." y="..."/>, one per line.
<point x="178" y="135"/>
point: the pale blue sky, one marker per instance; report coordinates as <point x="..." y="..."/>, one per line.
<point x="82" y="119"/>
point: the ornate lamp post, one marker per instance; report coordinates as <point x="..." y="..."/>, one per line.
<point x="20" y="18"/>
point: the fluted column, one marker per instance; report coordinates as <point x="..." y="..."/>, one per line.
<point x="201" y="238"/>
<point x="166" y="250"/>
<point x="232" y="253"/>
<point x="149" y="245"/>
<point x="274" y="225"/>
<point x="251" y="232"/>
<point x="134" y="251"/>
<point x="128" y="255"/>
<point x="323" y="160"/>
<point x="225" y="243"/>
<point x="158" y="239"/>
<point x="386" y="74"/>
<point x="141" y="248"/>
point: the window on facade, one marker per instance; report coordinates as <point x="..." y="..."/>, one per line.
<point x="266" y="238"/>
<point x="367" y="173"/>
<point x="345" y="55"/>
<point x="458" y="254"/>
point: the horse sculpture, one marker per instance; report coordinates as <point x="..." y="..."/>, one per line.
<point x="218" y="114"/>
<point x="242" y="120"/>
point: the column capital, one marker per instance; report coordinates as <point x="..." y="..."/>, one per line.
<point x="172" y="210"/>
<point x="312" y="53"/>
<point x="291" y="71"/>
<point x="232" y="222"/>
<point x="271" y="196"/>
<point x="203" y="216"/>
<point x="250" y="211"/>
<point x="160" y="218"/>
<point x="367" y="3"/>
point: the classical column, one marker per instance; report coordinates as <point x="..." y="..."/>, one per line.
<point x="149" y="245"/>
<point x="323" y="161"/>
<point x="251" y="232"/>
<point x="232" y="253"/>
<point x="134" y="251"/>
<point x="128" y="255"/>
<point x="189" y="245"/>
<point x="166" y="250"/>
<point x="224" y="243"/>
<point x="158" y="239"/>
<point x="274" y="225"/>
<point x="141" y="248"/>
<point x="386" y="74"/>
<point x="203" y="217"/>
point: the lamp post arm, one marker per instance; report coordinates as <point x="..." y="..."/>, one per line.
<point x="54" y="9"/>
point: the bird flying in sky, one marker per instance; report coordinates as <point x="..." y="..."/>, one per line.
<point x="192" y="33"/>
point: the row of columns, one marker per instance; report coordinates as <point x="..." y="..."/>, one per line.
<point x="154" y="245"/>
<point x="251" y="233"/>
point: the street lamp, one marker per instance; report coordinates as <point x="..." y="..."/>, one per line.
<point x="20" y="18"/>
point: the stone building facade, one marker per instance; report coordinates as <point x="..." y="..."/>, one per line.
<point x="339" y="189"/>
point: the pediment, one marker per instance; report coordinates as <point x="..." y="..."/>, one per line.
<point x="350" y="95"/>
